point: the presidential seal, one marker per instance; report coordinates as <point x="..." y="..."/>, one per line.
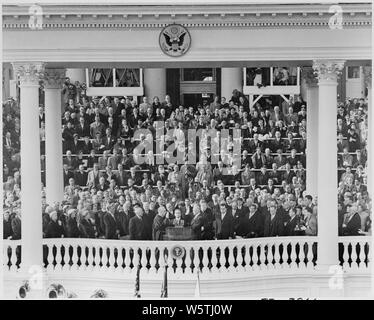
<point x="175" y="40"/>
<point x="178" y="252"/>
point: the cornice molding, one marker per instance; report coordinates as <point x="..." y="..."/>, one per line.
<point x="143" y="25"/>
<point x="131" y="55"/>
<point x="254" y="16"/>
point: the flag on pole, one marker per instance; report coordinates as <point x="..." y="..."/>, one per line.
<point x="197" y="287"/>
<point x="164" y="289"/>
<point x="137" y="283"/>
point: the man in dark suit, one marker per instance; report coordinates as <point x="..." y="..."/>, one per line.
<point x="197" y="223"/>
<point x="123" y="216"/>
<point x="121" y="176"/>
<point x="208" y="232"/>
<point x="293" y="221"/>
<point x="148" y="218"/>
<point x="136" y="225"/>
<point x="224" y="223"/>
<point x="67" y="174"/>
<point x="252" y="223"/>
<point x="111" y="229"/>
<point x="108" y="140"/>
<point x="352" y="222"/>
<point x="274" y="226"/>
<point x="82" y="129"/>
<point x="80" y="176"/>
<point x="159" y="224"/>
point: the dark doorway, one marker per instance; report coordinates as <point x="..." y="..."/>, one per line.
<point x="195" y="99"/>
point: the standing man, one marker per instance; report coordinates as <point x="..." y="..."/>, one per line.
<point x="136" y="226"/>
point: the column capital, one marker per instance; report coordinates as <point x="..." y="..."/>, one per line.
<point x="54" y="78"/>
<point x="328" y="70"/>
<point x="308" y="74"/>
<point x="367" y="76"/>
<point x="29" y="73"/>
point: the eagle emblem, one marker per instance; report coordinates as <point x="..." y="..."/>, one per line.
<point x="175" y="40"/>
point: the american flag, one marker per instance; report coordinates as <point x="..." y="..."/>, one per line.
<point x="137" y="283"/>
<point x="164" y="289"/>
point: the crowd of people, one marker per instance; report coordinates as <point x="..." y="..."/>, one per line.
<point x="109" y="193"/>
<point x="354" y="205"/>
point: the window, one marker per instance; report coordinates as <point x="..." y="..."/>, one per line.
<point x="198" y="74"/>
<point x="353" y="72"/>
<point x="285" y="76"/>
<point x="101" y="78"/>
<point x="127" y="77"/>
<point x="123" y="77"/>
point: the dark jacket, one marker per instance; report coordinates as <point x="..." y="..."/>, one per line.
<point x="158" y="227"/>
<point x="289" y="228"/>
<point x="7" y="229"/>
<point x="136" y="228"/>
<point x="224" y="228"/>
<point x="54" y="230"/>
<point x="352" y="227"/>
<point x="123" y="221"/>
<point x="196" y="224"/>
<point x="16" y="228"/>
<point x="87" y="229"/>
<point x="252" y="227"/>
<point x="110" y="226"/>
<point x="71" y="227"/>
<point x="208" y="218"/>
<point x="274" y="227"/>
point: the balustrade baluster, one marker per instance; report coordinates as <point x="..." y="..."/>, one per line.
<point x="345" y="256"/>
<point x="277" y="248"/>
<point x="254" y="250"/>
<point x="50" y="257"/>
<point x="152" y="260"/>
<point x="127" y="259"/>
<point x="135" y="259"/>
<point x="270" y="255"/>
<point x="104" y="259"/>
<point x="58" y="258"/>
<point x="112" y="258"/>
<point x="97" y="257"/>
<point x="143" y="260"/>
<point x="214" y="260"/>
<point x="293" y="255"/>
<point x="354" y="256"/>
<point x="310" y="255"/>
<point x="188" y="260"/>
<point x="262" y="257"/>
<point x="231" y="258"/>
<point x="361" y="254"/>
<point x="74" y="258"/>
<point x="90" y="257"/>
<point x="13" y="258"/>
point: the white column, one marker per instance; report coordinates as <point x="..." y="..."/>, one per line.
<point x="327" y="72"/>
<point x="76" y="75"/>
<point x="312" y="131"/>
<point x="155" y="83"/>
<point x="53" y="139"/>
<point x="29" y="74"/>
<point x="231" y="78"/>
